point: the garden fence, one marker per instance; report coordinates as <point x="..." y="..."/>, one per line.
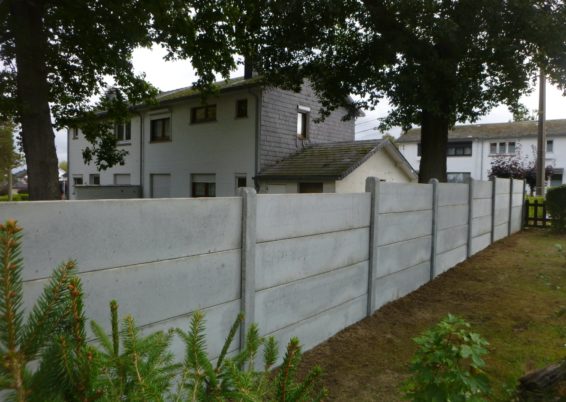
<point x="305" y="265"/>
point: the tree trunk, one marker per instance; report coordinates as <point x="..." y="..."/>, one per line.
<point x="434" y="146"/>
<point x="33" y="99"/>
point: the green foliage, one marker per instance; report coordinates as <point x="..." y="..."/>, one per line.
<point x="15" y="197"/>
<point x="436" y="62"/>
<point x="448" y="364"/>
<point x="126" y="365"/>
<point x="25" y="340"/>
<point x="556" y="207"/>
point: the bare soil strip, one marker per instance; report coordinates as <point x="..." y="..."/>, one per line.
<point x="513" y="294"/>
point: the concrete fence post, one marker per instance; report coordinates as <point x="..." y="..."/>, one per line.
<point x="523" y="219"/>
<point x="493" y="197"/>
<point x="434" y="240"/>
<point x="510" y="223"/>
<point x="248" y="252"/>
<point x="372" y="187"/>
<point x="470" y="216"/>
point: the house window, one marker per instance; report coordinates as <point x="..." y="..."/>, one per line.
<point x="502" y="147"/>
<point x="458" y="177"/>
<point x="550" y="146"/>
<point x="123" y="132"/>
<point x="310" y="188"/>
<point x="203" y="114"/>
<point x="122" y="179"/>
<point x="94" y="179"/>
<point x="74" y="133"/>
<point x="160" y="130"/>
<point x="459" y="149"/>
<point x="493" y="148"/>
<point x="203" y="185"/>
<point x="454" y="149"/>
<point x="511" y="147"/>
<point x="556" y="179"/>
<point x="302" y="125"/>
<point x="241" y="181"/>
<point x="241" y="108"/>
<point x="77" y="180"/>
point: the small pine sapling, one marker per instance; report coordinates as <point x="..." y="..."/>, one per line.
<point x="23" y="340"/>
<point x="448" y="364"/>
<point x="144" y="370"/>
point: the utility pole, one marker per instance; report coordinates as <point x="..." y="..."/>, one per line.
<point x="541" y="144"/>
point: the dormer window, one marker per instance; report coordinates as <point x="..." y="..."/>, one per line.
<point x="303" y="122"/>
<point x="74" y="133"/>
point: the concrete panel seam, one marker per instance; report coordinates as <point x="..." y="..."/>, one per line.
<point x="350" y="301"/>
<point x="136" y="265"/>
<point x="311" y="276"/>
<point x="405" y="240"/>
<point x="401" y="270"/>
<point x="313" y="234"/>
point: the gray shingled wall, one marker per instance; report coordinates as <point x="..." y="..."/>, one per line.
<point x="279" y="124"/>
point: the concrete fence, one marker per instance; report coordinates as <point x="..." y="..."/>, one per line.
<point x="305" y="265"/>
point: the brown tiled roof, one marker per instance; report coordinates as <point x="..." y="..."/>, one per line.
<point x="519" y="129"/>
<point x="331" y="161"/>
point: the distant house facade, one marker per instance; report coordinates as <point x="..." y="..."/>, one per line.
<point x="472" y="148"/>
<point x="180" y="147"/>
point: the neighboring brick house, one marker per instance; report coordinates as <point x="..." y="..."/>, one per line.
<point x="472" y="148"/>
<point x="180" y="147"/>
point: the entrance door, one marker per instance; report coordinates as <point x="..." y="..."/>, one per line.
<point x="160" y="185"/>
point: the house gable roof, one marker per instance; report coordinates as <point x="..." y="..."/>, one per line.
<point x="520" y="129"/>
<point x="330" y="161"/>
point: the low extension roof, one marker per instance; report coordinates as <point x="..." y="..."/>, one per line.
<point x="518" y="129"/>
<point x="330" y="161"/>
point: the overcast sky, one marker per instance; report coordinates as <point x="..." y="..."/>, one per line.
<point x="175" y="74"/>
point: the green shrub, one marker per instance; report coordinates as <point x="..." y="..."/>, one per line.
<point x="126" y="366"/>
<point x="448" y="364"/>
<point x="556" y="207"/>
<point x="15" y="197"/>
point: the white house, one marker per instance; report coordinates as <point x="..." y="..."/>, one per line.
<point x="180" y="147"/>
<point x="472" y="148"/>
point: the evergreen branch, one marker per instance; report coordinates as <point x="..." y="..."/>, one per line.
<point x="229" y="339"/>
<point x="48" y="312"/>
<point x="102" y="337"/>
<point x="11" y="305"/>
<point x="270" y="353"/>
<point x="115" y="329"/>
<point x="287" y="369"/>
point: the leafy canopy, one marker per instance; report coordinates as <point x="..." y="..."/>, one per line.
<point x="89" y="52"/>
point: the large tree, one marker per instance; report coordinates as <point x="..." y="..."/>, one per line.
<point x="56" y="56"/>
<point x="437" y="62"/>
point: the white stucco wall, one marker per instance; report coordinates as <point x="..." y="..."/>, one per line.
<point x="479" y="163"/>
<point x="379" y="165"/>
<point x="131" y="164"/>
<point x="224" y="148"/>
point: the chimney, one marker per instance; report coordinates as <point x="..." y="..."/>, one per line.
<point x="248" y="69"/>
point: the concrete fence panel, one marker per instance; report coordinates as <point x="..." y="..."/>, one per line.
<point x="481" y="222"/>
<point x="501" y="209"/>
<point x="305" y="265"/>
<point x="452" y="237"/>
<point x="288" y="216"/>
<point x="405" y="224"/>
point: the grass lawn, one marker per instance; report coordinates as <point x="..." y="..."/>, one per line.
<point x="513" y="294"/>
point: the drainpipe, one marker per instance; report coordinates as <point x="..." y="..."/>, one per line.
<point x="141" y="153"/>
<point x="258" y="104"/>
